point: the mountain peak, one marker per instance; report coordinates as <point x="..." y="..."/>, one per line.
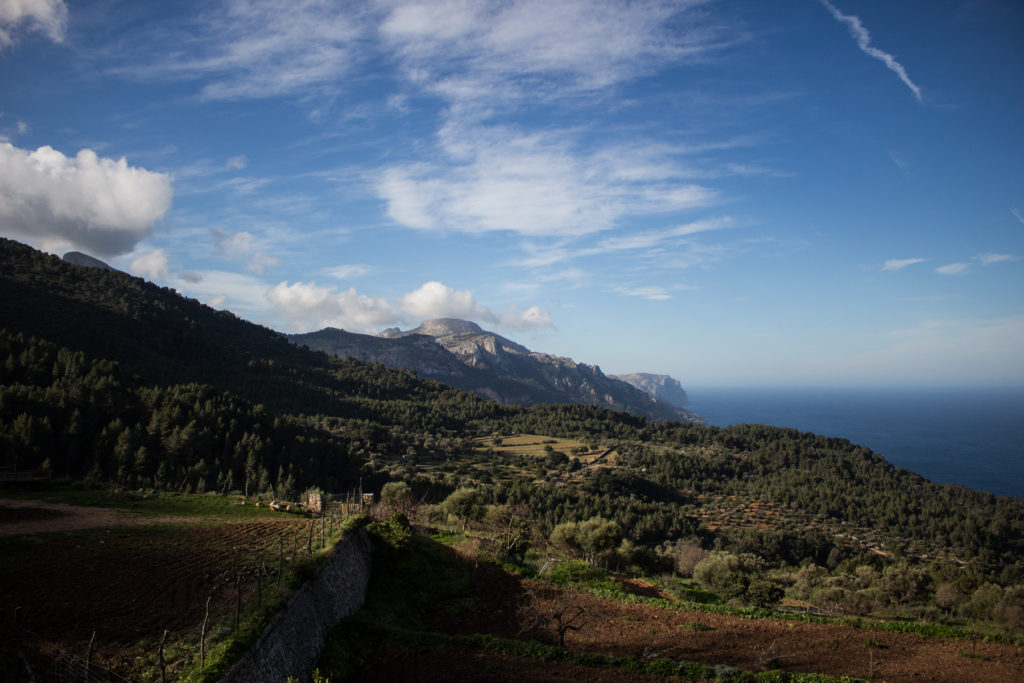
<point x="77" y="258"/>
<point x="445" y="327"/>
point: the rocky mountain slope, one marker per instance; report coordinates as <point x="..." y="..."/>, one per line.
<point x="463" y="355"/>
<point x="661" y="387"/>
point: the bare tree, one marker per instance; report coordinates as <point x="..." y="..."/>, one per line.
<point x="554" y="612"/>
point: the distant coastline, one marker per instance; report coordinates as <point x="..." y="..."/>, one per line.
<point x="968" y="436"/>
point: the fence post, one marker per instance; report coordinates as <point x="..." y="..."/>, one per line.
<point x="202" y="634"/>
<point x="238" y="597"/>
<point x="259" y="579"/>
<point x="88" y="656"/>
<point x="280" y="560"/>
<point x="163" y="664"/>
<point x="309" y="541"/>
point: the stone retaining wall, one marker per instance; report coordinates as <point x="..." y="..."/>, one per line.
<point x="292" y="642"/>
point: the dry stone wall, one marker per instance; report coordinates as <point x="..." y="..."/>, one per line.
<point x="291" y="644"/>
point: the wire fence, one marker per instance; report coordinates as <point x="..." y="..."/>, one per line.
<point x="38" y="659"/>
<point x="41" y="660"/>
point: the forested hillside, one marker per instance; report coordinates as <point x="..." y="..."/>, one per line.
<point x="108" y="377"/>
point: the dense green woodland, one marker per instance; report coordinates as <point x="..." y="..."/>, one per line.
<point x="108" y="377"/>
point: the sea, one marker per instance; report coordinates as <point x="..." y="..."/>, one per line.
<point x="973" y="437"/>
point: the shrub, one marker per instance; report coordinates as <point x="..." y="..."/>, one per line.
<point x="395" y="531"/>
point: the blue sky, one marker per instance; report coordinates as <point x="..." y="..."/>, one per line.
<point x="735" y="193"/>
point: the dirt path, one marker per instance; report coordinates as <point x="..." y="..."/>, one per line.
<point x="20" y="517"/>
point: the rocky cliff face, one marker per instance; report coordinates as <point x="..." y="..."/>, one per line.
<point x="418" y="353"/>
<point x="462" y="354"/>
<point x="661" y="387"/>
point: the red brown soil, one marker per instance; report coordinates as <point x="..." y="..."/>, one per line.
<point x="430" y="664"/>
<point x="755" y="645"/>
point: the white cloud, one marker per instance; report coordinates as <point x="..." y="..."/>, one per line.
<point x="152" y="264"/>
<point x="239" y="246"/>
<point x="22" y="127"/>
<point x="1016" y="214"/>
<point x="533" y="184"/>
<point x="259" y="262"/>
<point x="349" y="271"/>
<point x="409" y="200"/>
<point x="309" y="306"/>
<point x="217" y="288"/>
<point x="953" y="269"/>
<point x="532" y="318"/>
<point x="98" y="205"/>
<point x="863" y="38"/>
<point x="900" y="263"/>
<point x="237" y="162"/>
<point x="989" y="259"/>
<point x="437" y="300"/>
<point x="650" y="293"/>
<point x="236" y="245"/>
<point x="50" y="17"/>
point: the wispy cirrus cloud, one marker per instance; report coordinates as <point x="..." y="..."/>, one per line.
<point x="541" y="254"/>
<point x="349" y="271"/>
<point x="1016" y="214"/>
<point x="246" y="49"/>
<point x="863" y="38"/>
<point x="953" y="269"/>
<point x="901" y="263"/>
<point x="650" y="292"/>
<point x="477" y="53"/>
<point x="464" y="52"/>
<point x="989" y="259"/>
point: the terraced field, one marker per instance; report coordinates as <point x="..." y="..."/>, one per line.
<point x="129" y="572"/>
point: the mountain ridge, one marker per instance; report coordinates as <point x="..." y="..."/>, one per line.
<point x="464" y="355"/>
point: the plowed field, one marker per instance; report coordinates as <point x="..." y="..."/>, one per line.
<point x="129" y="582"/>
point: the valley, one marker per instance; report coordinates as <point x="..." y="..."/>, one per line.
<point x="161" y="416"/>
